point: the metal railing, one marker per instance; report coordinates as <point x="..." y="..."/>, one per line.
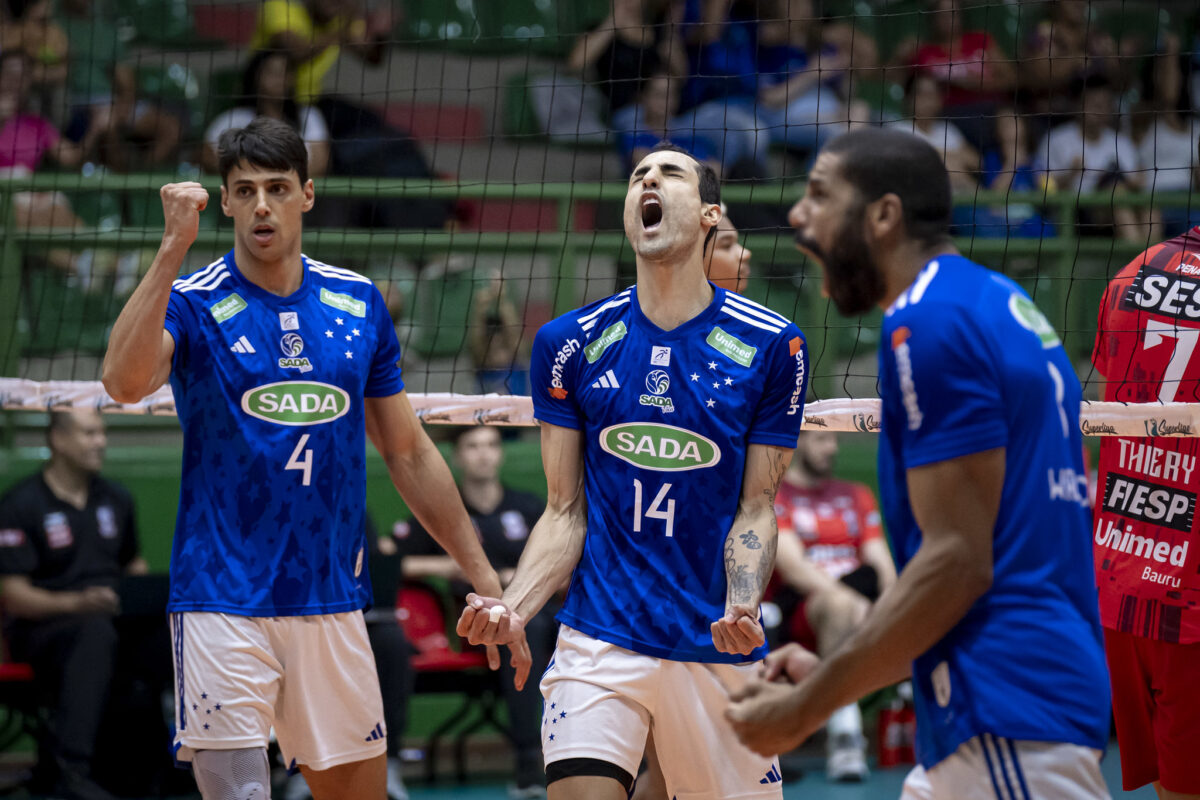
<point x="1052" y="261"/>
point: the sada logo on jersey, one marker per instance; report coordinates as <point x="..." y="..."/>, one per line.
<point x="663" y="448"/>
<point x="296" y="402"/>
<point x="292" y="345"/>
<point x="657" y="384"/>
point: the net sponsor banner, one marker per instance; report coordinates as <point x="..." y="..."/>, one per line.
<point x="844" y="414"/>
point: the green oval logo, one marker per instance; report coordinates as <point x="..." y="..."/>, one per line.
<point x="664" y="448"/>
<point x="296" y="402"/>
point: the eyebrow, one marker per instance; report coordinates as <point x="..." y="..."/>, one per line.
<point x="268" y="179"/>
<point x="667" y="168"/>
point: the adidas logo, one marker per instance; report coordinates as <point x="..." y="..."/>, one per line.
<point x="376" y="734"/>
<point x="773" y="775"/>
<point x="607" y="381"/>
<point x="242" y="345"/>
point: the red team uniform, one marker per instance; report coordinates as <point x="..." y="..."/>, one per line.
<point x="1145" y="536"/>
<point x="834" y="521"/>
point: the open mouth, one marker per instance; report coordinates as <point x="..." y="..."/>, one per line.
<point x="652" y="212"/>
<point x="263" y="233"/>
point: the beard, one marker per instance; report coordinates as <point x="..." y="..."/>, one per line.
<point x="855" y="284"/>
<point x="818" y="470"/>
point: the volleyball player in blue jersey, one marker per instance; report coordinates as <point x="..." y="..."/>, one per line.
<point x="981" y="475"/>
<point x="279" y="364"/>
<point x="669" y="412"/>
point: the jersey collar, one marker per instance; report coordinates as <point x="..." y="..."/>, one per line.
<point x="262" y="294"/>
<point x="698" y="321"/>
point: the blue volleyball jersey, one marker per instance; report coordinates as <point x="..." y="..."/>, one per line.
<point x="269" y="391"/>
<point x="967" y="364"/>
<point x="667" y="417"/>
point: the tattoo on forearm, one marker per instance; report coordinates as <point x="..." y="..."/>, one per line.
<point x="750" y="540"/>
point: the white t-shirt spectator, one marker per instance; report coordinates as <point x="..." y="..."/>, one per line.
<point x="1167" y="156"/>
<point x="312" y="125"/>
<point x="944" y="136"/>
<point x="1065" y="145"/>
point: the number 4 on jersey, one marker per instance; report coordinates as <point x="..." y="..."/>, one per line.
<point x="296" y="462"/>
<point x="655" y="511"/>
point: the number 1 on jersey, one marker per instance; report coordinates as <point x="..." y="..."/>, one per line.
<point x="295" y="462"/>
<point x="655" y="511"/>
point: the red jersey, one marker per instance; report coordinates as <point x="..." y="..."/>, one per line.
<point x="960" y="67"/>
<point x="1146" y="548"/>
<point x="833" y="520"/>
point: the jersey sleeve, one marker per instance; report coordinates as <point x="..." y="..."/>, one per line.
<point x="781" y="408"/>
<point x="176" y="324"/>
<point x="950" y="405"/>
<point x="17" y="553"/>
<point x="868" y="514"/>
<point x="552" y="369"/>
<point x="385" y="379"/>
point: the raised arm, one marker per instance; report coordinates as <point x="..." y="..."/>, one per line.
<point x="138" y="359"/>
<point x="554" y="547"/>
<point x="750" y="550"/>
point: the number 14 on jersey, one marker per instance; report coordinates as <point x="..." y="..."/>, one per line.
<point x="656" y="509"/>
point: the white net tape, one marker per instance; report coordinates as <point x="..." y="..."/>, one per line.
<point x="1096" y="418"/>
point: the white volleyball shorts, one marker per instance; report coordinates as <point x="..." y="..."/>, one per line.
<point x="601" y="701"/>
<point x="310" y="677"/>
<point x="991" y="767"/>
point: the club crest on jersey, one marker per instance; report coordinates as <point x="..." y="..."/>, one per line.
<point x="292" y="345"/>
<point x="663" y="448"/>
<point x="657" y="384"/>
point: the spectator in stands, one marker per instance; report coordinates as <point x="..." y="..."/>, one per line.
<point x="834" y="562"/>
<point x="727" y="262"/>
<point x="1167" y="146"/>
<point x="27" y="140"/>
<point x="1009" y="167"/>
<point x="268" y="90"/>
<point x="503" y="518"/>
<point x="924" y="97"/>
<point x="1062" y="50"/>
<point x="1091" y="154"/>
<point x="111" y="124"/>
<point x="66" y="537"/>
<point x="494" y="334"/>
<point x="976" y="76"/>
<point x="29" y="28"/>
<point x="313" y="33"/>
<point x="654" y="120"/>
<point x="801" y="99"/>
<point x="637" y="41"/>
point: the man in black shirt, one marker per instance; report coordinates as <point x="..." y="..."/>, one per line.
<point x="66" y="537"/>
<point x="503" y="518"/>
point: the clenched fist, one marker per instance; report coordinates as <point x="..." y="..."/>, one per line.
<point x="182" y="204"/>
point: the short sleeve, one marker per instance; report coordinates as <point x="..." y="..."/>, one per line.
<point x="385" y="379"/>
<point x="176" y="324"/>
<point x="781" y="407"/>
<point x="18" y="556"/>
<point x="949" y="403"/>
<point x="552" y="368"/>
